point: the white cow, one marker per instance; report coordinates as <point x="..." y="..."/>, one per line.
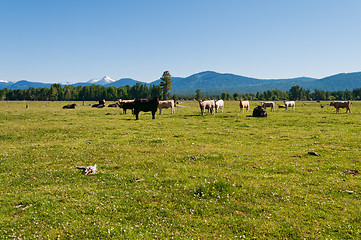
<point x="289" y="104"/>
<point x="166" y="104"/>
<point x="268" y="104"/>
<point x="219" y="104"/>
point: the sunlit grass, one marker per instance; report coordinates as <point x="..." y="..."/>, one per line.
<point x="224" y="176"/>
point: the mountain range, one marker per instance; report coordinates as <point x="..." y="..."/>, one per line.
<point x="215" y="83"/>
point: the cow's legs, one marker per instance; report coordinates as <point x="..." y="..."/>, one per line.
<point x="136" y="115"/>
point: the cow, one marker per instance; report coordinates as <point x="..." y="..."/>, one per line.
<point x="244" y="105"/>
<point x="268" y="104"/>
<point x="113" y="105"/>
<point x="259" y="112"/>
<point x="210" y="105"/>
<point x="289" y="104"/>
<point x="69" y="106"/>
<point x="166" y="104"/>
<point x="145" y="105"/>
<point x="219" y="104"/>
<point x="341" y="104"/>
<point x="126" y="104"/>
<point x="101" y="104"/>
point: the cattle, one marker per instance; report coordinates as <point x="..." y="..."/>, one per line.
<point x="126" y="104"/>
<point x="113" y="105"/>
<point x="289" y="104"/>
<point x="145" y="105"/>
<point x="219" y="104"/>
<point x="166" y="104"/>
<point x="268" y="104"/>
<point x="341" y="104"/>
<point x="281" y="106"/>
<point x="101" y="104"/>
<point x="210" y="105"/>
<point x="244" y="105"/>
<point x="69" y="106"/>
<point x="259" y="112"/>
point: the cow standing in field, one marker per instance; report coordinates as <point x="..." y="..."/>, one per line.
<point x="210" y="105"/>
<point x="244" y="105"/>
<point x="219" y="104"/>
<point x="126" y="104"/>
<point x="268" y="104"/>
<point x="146" y="105"/>
<point x="166" y="104"/>
<point x="341" y="104"/>
<point x="289" y="104"/>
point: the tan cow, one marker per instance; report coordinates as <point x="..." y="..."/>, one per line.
<point x="341" y="104"/>
<point x="166" y="104"/>
<point x="268" y="104"/>
<point x="244" y="105"/>
<point x="210" y="105"/>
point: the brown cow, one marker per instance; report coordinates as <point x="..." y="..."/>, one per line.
<point x="126" y="104"/>
<point x="244" y="105"/>
<point x="341" y="104"/>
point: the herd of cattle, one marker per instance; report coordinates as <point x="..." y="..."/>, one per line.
<point x="152" y="105"/>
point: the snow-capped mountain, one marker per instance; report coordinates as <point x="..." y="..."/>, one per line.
<point x="102" y="81"/>
<point x="3" y="81"/>
<point x="5" y="84"/>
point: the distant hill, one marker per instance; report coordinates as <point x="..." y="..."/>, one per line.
<point x="123" y="82"/>
<point x="336" y="82"/>
<point x="5" y="84"/>
<point x="215" y="83"/>
<point x="109" y="82"/>
<point x="23" y="84"/>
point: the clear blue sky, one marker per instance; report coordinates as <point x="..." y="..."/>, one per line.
<point x="77" y="40"/>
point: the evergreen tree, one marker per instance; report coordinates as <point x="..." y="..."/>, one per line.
<point x="166" y="84"/>
<point x="198" y="94"/>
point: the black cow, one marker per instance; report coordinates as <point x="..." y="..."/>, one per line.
<point x="127" y="105"/>
<point x="101" y="104"/>
<point x="69" y="106"/>
<point x="146" y="105"/>
<point x="259" y="112"/>
<point x="113" y="105"/>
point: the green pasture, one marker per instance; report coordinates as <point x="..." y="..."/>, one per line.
<point x="181" y="176"/>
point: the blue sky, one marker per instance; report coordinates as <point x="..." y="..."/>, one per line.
<point x="78" y="40"/>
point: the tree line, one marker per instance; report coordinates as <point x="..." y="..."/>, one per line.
<point x="89" y="93"/>
<point x="95" y="92"/>
<point x="295" y="93"/>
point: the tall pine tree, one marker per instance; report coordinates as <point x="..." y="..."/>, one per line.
<point x="166" y="84"/>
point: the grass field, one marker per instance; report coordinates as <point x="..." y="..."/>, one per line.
<point x="182" y="176"/>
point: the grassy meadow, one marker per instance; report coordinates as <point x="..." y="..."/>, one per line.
<point x="181" y="176"/>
